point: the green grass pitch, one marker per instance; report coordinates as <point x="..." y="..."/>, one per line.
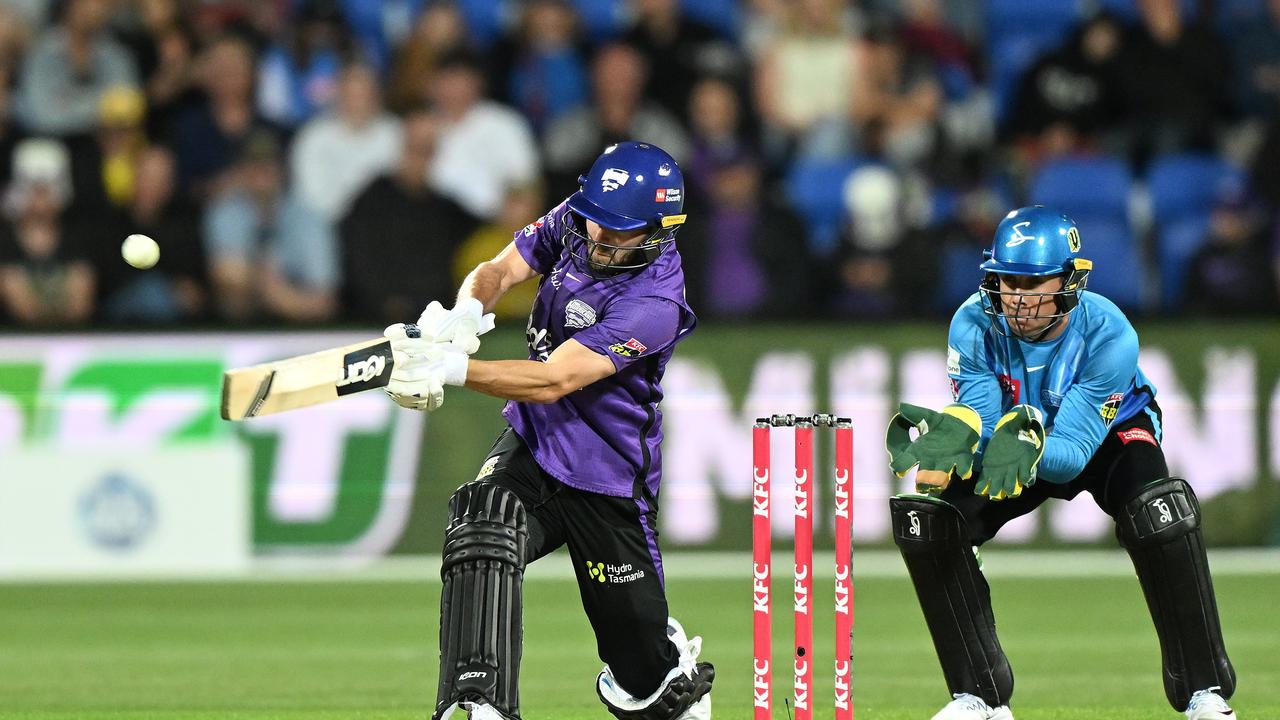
<point x="1082" y="649"/>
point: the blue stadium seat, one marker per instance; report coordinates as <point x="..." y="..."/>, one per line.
<point x="1187" y="184"/>
<point x="1184" y="189"/>
<point x="815" y="189"/>
<point x="960" y="276"/>
<point x="1177" y="243"/>
<point x="724" y="16"/>
<point x="1085" y="185"/>
<point x="1118" y="272"/>
<point x="486" y="19"/>
<point x="601" y="19"/>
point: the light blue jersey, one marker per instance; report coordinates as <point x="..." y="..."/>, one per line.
<point x="1083" y="381"/>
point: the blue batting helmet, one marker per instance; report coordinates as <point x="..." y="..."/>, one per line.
<point x="1034" y="241"/>
<point x="631" y="186"/>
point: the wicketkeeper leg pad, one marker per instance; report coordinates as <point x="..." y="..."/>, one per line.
<point x="954" y="595"/>
<point x="1160" y="528"/>
<point x="480" y="604"/>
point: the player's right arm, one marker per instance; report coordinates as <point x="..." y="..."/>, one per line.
<point x="490" y="280"/>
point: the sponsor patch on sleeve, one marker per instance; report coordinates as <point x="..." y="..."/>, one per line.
<point x="1139" y="434"/>
<point x="1111" y="407"/>
<point x="630" y="348"/>
<point x="953" y="361"/>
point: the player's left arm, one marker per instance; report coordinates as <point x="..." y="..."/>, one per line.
<point x="1082" y="420"/>
<point x="569" y="368"/>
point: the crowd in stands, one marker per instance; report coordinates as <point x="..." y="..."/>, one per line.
<point x="308" y="162"/>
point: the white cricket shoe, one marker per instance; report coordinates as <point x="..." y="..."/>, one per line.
<point x="972" y="707"/>
<point x="689" y="651"/>
<point x="1207" y="704"/>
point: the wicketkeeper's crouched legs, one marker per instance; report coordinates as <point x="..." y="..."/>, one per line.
<point x="1160" y="528"/>
<point x="480" y="604"/>
<point x="954" y="596"/>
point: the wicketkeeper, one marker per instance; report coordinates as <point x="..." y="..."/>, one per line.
<point x="1050" y="402"/>
<point x="580" y="463"/>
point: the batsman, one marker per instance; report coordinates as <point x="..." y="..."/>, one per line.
<point x="1049" y="403"/>
<point x="579" y="463"/>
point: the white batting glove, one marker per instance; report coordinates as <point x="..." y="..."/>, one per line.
<point x="462" y="326"/>
<point x="422" y="368"/>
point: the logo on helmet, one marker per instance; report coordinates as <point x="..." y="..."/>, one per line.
<point x="1073" y="239"/>
<point x="613" y="178"/>
<point x="1019" y="238"/>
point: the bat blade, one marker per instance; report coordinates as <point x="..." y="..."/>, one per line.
<point x="306" y="380"/>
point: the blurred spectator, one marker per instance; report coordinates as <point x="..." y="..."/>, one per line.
<point x="1234" y="272"/>
<point x="298" y="75"/>
<point x="438" y="31"/>
<point x="399" y="238"/>
<point x="164" y="50"/>
<point x="484" y="147"/>
<point x="1265" y="169"/>
<point x="210" y="135"/>
<point x="925" y="31"/>
<point x="1256" y="53"/>
<point x="69" y="67"/>
<point x="378" y="27"/>
<point x="744" y="251"/>
<point x="543" y="74"/>
<point x="269" y="253"/>
<point x="1173" y="76"/>
<point x="1071" y="94"/>
<point x="45" y="278"/>
<point x="717" y="129"/>
<point x="676" y="49"/>
<point x="873" y="204"/>
<point x="519" y="208"/>
<point x="805" y="82"/>
<point x="889" y="264"/>
<point x="897" y="101"/>
<point x="618" y="112"/>
<point x="173" y="290"/>
<point x="337" y="154"/>
<point x="766" y="21"/>
<point x="15" y="37"/>
<point x="102" y="165"/>
<point x="8" y="133"/>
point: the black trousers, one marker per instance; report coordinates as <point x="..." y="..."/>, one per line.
<point x="613" y="542"/>
<point x="1125" y="463"/>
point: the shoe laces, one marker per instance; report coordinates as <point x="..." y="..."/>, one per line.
<point x="966" y="701"/>
<point x="1208" y="699"/>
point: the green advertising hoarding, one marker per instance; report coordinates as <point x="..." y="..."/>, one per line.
<point x="361" y="476"/>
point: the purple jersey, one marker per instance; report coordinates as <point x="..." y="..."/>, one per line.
<point x="605" y="437"/>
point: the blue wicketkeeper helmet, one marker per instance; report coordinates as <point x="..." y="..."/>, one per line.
<point x="1035" y="241"/>
<point x="631" y="186"/>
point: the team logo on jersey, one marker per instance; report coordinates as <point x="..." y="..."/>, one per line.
<point x="1011" y="386"/>
<point x="631" y="348"/>
<point x="578" y="314"/>
<point x="613" y="178"/>
<point x="532" y="227"/>
<point x="667" y="195"/>
<point x="1018" y="236"/>
<point x="1073" y="239"/>
<point x="1111" y="407"/>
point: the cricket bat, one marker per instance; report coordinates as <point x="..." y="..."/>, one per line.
<point x="306" y="380"/>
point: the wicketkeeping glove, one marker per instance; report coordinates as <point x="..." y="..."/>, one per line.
<point x="1014" y="451"/>
<point x="422" y="369"/>
<point x="462" y="326"/>
<point x="945" y="445"/>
